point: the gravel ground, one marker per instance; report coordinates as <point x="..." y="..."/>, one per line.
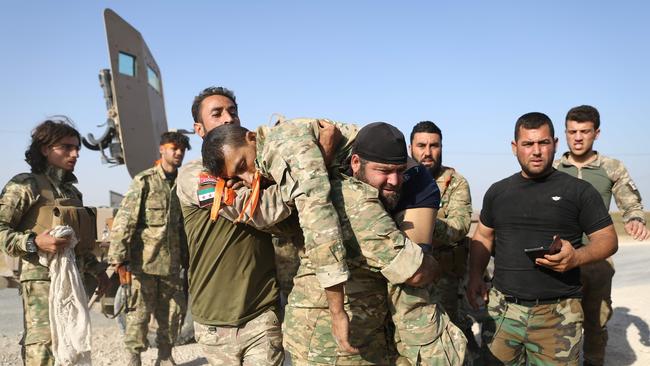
<point x="629" y="339"/>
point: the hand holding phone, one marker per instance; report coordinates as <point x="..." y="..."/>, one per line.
<point x="541" y="251"/>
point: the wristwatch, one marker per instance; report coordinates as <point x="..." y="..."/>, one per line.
<point x="30" y="245"/>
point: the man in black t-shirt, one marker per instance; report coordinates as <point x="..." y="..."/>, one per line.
<point x="534" y="303"/>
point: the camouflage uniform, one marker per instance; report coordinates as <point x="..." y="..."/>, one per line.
<point x="609" y="177"/>
<point x="377" y="253"/>
<point x="22" y="204"/>
<point x="146" y="236"/>
<point x="287" y="261"/>
<point x="311" y="196"/>
<point x="449" y="239"/>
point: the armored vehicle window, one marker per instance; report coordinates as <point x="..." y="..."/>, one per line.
<point x="127" y="64"/>
<point x="154" y="81"/>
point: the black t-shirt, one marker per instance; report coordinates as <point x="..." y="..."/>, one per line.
<point x="527" y="213"/>
<point x="419" y="190"/>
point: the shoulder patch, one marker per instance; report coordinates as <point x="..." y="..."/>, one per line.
<point x="206" y="189"/>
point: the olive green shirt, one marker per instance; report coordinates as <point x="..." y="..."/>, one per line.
<point x="231" y="266"/>
<point x="609" y="177"/>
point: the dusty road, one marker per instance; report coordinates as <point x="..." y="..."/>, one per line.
<point x="629" y="334"/>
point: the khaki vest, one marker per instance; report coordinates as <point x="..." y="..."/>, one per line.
<point x="48" y="212"/>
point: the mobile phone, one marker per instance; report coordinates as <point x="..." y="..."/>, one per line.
<point x="556" y="245"/>
<point x="538" y="252"/>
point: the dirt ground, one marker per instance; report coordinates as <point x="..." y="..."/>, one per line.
<point x="629" y="332"/>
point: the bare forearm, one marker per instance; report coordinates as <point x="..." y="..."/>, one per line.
<point x="479" y="256"/>
<point x="602" y="244"/>
<point x="335" y="296"/>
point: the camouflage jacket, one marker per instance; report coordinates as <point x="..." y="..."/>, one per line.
<point x="372" y="241"/>
<point x="610" y="177"/>
<point x="455" y="213"/>
<point x="17" y="197"/>
<point x="289" y="151"/>
<point x="145" y="230"/>
<point x="377" y="253"/>
<point x="271" y="210"/>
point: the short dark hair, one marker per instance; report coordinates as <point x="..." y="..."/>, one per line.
<point x="207" y="92"/>
<point x="176" y="138"/>
<point x="426" y="127"/>
<point x="533" y="121"/>
<point x="48" y="133"/>
<point x="213" y="143"/>
<point x="583" y="113"/>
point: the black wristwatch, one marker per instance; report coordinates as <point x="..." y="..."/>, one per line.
<point x="30" y="245"/>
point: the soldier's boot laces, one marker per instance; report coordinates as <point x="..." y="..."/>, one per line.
<point x="134" y="359"/>
<point x="165" y="357"/>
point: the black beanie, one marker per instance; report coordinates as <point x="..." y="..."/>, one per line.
<point x="380" y="142"/>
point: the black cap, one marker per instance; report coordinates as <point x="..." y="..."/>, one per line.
<point x="380" y="142"/>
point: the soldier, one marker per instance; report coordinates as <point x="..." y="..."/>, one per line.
<point x="609" y="177"/>
<point x="232" y="284"/>
<point x="27" y="214"/>
<point x="260" y="157"/>
<point x="452" y="223"/>
<point x="369" y="229"/>
<point x="534" y="305"/>
<point x="146" y="238"/>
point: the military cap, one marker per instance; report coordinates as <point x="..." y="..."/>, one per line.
<point x="380" y="142"/>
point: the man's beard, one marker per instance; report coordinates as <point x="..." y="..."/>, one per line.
<point x="436" y="167"/>
<point x="389" y="202"/>
<point x="546" y="170"/>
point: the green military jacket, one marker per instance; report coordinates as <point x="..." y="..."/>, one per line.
<point x="147" y="230"/>
<point x="455" y="213"/>
<point x="289" y="152"/>
<point x="18" y="198"/>
<point x="609" y="177"/>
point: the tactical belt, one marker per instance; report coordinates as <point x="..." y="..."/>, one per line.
<point x="535" y="302"/>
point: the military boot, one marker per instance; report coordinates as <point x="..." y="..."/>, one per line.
<point x="165" y="356"/>
<point x="134" y="359"/>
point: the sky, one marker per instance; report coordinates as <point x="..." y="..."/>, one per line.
<point x="471" y="67"/>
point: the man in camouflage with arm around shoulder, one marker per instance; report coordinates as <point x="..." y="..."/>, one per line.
<point x="27" y="214"/>
<point x="146" y="238"/>
<point x="609" y="177"/>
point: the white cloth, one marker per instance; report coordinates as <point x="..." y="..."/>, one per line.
<point x="69" y="315"/>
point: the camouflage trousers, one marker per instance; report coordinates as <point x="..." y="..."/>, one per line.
<point x="597" y="305"/>
<point x="447" y="292"/>
<point x="424" y="334"/>
<point x="258" y="342"/>
<point x="162" y="297"/>
<point x="37" y="338"/>
<point x="307" y="325"/>
<point x="545" y="335"/>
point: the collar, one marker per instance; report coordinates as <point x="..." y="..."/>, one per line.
<point x="596" y="163"/>
<point x="60" y="176"/>
<point x="260" y="139"/>
<point x="161" y="172"/>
